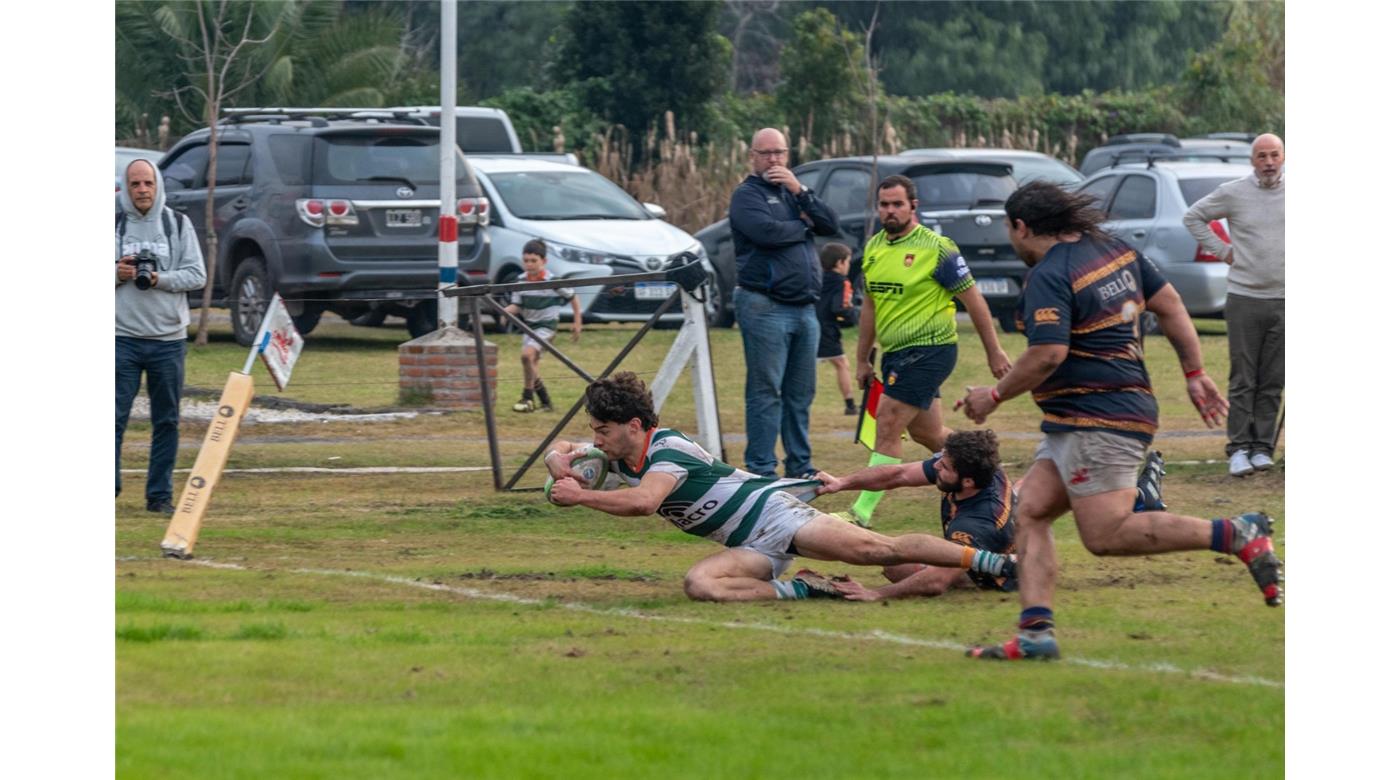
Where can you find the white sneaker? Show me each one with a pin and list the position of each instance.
(1239, 464)
(1261, 461)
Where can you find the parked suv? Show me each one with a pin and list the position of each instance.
(336, 213)
(1137, 147)
(963, 199)
(1026, 166)
(1145, 203)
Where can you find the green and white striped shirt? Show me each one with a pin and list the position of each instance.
(711, 498)
(542, 307)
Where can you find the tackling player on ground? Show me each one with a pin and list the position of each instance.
(760, 524)
(1080, 308)
(978, 509)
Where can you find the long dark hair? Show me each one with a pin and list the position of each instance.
(1048, 210)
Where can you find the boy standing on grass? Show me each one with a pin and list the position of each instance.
(540, 310)
(834, 311)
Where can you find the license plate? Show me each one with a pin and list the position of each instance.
(653, 291)
(403, 218)
(994, 286)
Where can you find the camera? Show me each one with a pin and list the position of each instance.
(145, 268)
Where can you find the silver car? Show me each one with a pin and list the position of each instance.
(1145, 203)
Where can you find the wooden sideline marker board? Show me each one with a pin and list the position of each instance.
(184, 526)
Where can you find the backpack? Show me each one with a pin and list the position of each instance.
(166, 217)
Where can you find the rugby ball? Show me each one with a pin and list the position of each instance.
(593, 465)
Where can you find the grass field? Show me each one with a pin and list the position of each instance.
(413, 625)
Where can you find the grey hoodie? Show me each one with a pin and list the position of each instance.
(162, 312)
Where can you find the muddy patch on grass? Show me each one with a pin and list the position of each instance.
(596, 574)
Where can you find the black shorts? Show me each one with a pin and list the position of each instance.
(914, 375)
(829, 345)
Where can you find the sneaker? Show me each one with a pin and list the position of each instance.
(851, 517)
(162, 506)
(1150, 483)
(808, 474)
(1253, 545)
(1239, 464)
(523, 405)
(1261, 461)
(851, 410)
(1021, 648)
(818, 587)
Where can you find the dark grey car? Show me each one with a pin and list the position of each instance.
(336, 215)
(962, 199)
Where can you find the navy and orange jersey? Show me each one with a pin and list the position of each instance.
(1089, 295)
(985, 520)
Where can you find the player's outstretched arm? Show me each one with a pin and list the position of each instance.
(644, 499)
(929, 581)
(1034, 365)
(875, 478)
(1176, 325)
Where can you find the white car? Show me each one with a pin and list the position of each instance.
(591, 228)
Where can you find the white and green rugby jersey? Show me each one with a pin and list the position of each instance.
(711, 498)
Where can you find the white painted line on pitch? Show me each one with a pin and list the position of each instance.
(877, 635)
(345, 470)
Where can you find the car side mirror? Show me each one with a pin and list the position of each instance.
(655, 210)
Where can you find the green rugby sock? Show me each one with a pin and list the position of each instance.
(864, 506)
(793, 589)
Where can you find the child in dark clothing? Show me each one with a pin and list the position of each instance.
(834, 310)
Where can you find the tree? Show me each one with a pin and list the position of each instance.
(633, 62)
(824, 79)
(1238, 83)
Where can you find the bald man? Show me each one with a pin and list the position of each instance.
(1254, 302)
(773, 218)
(153, 316)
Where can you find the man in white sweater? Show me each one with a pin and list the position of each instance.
(1254, 304)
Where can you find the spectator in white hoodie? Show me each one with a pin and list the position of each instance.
(153, 315)
(1254, 300)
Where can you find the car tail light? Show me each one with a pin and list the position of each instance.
(311, 211)
(473, 211)
(316, 212)
(1204, 255)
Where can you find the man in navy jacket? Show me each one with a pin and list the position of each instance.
(773, 218)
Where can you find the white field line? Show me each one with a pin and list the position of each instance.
(874, 635)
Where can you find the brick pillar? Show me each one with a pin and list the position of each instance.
(439, 369)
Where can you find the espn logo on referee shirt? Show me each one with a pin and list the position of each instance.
(885, 288)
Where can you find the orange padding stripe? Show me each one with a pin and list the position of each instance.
(967, 554)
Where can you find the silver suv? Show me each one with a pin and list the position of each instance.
(335, 212)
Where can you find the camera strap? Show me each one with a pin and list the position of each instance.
(166, 218)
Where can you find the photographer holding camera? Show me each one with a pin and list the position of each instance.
(158, 261)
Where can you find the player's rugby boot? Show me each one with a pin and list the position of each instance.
(818, 587)
(1150, 483)
(1042, 647)
(1252, 543)
(524, 405)
(852, 517)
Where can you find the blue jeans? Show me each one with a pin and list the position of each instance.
(164, 364)
(780, 350)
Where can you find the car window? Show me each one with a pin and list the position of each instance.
(291, 156)
(390, 159)
(962, 190)
(1053, 171)
(186, 169)
(231, 167)
(1101, 189)
(1136, 199)
(562, 195)
(809, 178)
(847, 191)
(1193, 190)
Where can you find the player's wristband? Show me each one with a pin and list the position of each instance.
(1192, 374)
(996, 397)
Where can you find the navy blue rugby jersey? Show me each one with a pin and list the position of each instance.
(1089, 295)
(985, 520)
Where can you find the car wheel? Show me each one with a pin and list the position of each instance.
(422, 319)
(722, 316)
(500, 324)
(309, 318)
(250, 292)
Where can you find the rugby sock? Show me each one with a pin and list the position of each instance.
(528, 394)
(795, 589)
(1222, 535)
(864, 506)
(1037, 619)
(544, 394)
(983, 561)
